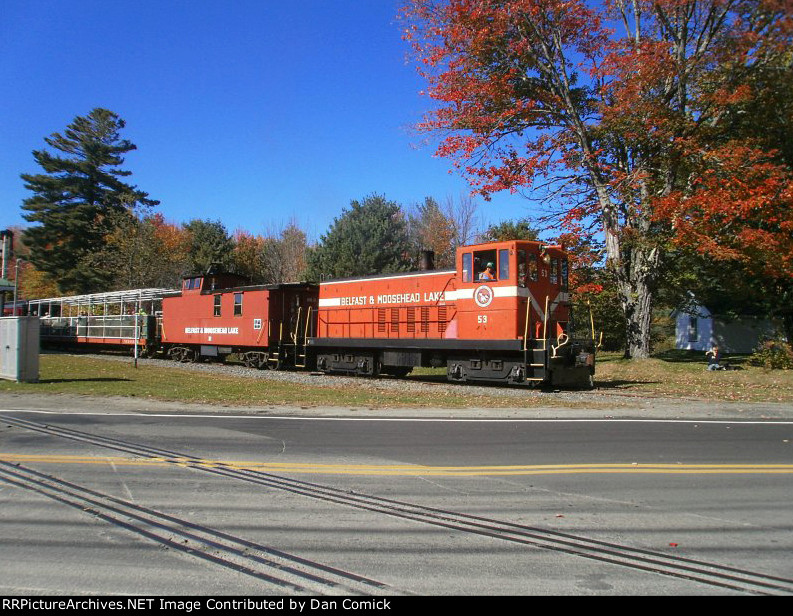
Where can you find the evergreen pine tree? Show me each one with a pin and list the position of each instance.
(210, 243)
(76, 200)
(369, 238)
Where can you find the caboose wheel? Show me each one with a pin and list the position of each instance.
(183, 354)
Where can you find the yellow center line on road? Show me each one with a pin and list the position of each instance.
(410, 470)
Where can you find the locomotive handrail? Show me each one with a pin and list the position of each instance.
(293, 335)
(443, 292)
(545, 326)
(308, 323)
(561, 344)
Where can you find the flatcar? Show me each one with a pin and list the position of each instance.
(501, 315)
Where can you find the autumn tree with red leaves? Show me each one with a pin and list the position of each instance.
(629, 118)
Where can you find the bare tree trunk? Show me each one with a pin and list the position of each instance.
(636, 297)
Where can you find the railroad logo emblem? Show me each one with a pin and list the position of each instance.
(483, 296)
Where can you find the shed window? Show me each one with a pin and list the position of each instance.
(693, 329)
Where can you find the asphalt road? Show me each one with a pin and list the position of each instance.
(128, 498)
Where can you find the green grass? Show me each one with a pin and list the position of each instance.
(683, 374)
(73, 374)
(674, 375)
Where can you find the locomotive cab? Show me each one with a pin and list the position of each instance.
(523, 296)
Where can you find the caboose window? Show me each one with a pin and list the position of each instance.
(237, 304)
(217, 305)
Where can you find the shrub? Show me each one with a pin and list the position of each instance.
(774, 355)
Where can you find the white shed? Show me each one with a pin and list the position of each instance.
(697, 329)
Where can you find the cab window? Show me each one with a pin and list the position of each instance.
(532, 263)
(503, 264)
(481, 260)
(565, 274)
(467, 263)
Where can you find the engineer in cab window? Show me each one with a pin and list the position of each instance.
(488, 274)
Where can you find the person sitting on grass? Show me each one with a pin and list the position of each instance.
(714, 358)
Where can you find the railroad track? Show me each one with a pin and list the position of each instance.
(649, 561)
(288, 573)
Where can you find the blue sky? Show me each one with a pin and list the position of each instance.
(251, 112)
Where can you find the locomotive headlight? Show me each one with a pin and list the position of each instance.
(546, 258)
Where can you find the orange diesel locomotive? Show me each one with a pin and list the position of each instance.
(502, 315)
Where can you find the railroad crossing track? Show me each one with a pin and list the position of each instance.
(708, 573)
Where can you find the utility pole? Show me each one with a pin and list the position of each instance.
(16, 282)
(7, 240)
(7, 237)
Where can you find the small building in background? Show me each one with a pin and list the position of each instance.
(698, 329)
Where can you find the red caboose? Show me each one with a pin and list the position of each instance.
(502, 315)
(213, 316)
